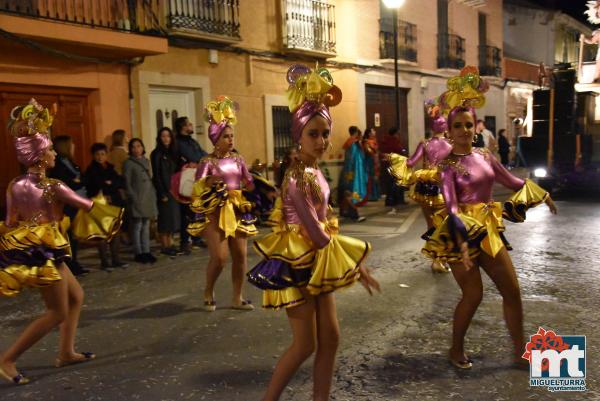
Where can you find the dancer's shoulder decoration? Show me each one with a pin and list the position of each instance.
(220, 113)
(30, 119)
(593, 11)
(465, 90)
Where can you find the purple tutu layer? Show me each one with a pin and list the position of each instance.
(33, 256)
(427, 188)
(275, 274)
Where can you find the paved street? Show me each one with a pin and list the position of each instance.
(154, 342)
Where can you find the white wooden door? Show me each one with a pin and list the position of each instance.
(166, 105)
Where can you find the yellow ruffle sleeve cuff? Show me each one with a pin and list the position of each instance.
(102, 222)
(530, 195)
(399, 169)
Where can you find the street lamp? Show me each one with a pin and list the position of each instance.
(394, 5)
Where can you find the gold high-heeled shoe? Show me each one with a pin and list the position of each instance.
(19, 379)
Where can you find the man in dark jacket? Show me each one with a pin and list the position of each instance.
(190, 151)
(101, 176)
(66, 170)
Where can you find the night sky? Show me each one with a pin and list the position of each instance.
(574, 8)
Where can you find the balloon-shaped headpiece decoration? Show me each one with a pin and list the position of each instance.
(438, 121)
(220, 113)
(464, 92)
(311, 93)
(593, 11)
(29, 125)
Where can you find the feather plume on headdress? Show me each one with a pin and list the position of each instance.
(593, 11)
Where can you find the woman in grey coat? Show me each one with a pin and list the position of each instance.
(141, 199)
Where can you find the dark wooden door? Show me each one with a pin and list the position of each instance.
(73, 118)
(380, 100)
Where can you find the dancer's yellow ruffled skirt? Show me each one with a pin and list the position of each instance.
(30, 253)
(290, 264)
(483, 223)
(229, 206)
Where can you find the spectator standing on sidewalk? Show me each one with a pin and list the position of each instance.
(164, 165)
(503, 147)
(489, 140)
(394, 193)
(118, 152)
(66, 170)
(101, 177)
(190, 151)
(353, 178)
(141, 199)
(371, 148)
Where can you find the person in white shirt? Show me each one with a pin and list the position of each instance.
(488, 138)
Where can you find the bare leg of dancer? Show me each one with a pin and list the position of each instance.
(239, 257)
(57, 309)
(68, 328)
(302, 320)
(502, 272)
(217, 249)
(472, 293)
(328, 336)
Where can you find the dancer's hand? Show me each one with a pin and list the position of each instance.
(551, 205)
(213, 180)
(466, 258)
(367, 280)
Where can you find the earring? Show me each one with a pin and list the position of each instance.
(299, 148)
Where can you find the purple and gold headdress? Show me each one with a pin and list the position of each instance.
(464, 92)
(311, 93)
(220, 113)
(29, 125)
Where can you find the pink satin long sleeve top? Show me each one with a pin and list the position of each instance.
(232, 170)
(432, 151)
(35, 199)
(469, 179)
(306, 203)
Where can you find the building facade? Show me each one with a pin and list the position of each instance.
(140, 64)
(245, 55)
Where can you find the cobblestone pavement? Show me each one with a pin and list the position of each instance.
(155, 343)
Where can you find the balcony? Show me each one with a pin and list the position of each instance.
(451, 51)
(490, 61)
(308, 27)
(212, 20)
(407, 40)
(119, 28)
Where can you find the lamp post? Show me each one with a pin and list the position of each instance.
(394, 5)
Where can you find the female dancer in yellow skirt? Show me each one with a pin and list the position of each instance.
(471, 236)
(33, 241)
(305, 259)
(223, 214)
(424, 182)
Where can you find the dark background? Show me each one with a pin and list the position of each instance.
(575, 8)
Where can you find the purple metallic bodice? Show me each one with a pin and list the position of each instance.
(232, 170)
(33, 198)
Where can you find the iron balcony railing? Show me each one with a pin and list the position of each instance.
(216, 17)
(451, 51)
(407, 40)
(309, 25)
(490, 61)
(126, 15)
